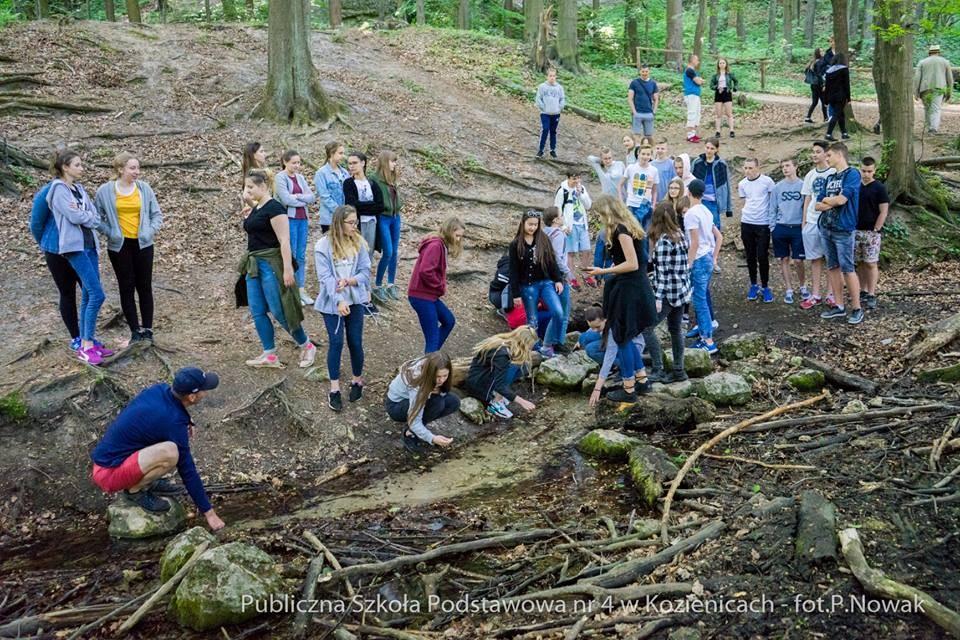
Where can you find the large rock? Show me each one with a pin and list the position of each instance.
(725, 389)
(224, 587)
(650, 467)
(130, 521)
(807, 380)
(854, 406)
(474, 410)
(676, 389)
(696, 362)
(179, 550)
(742, 346)
(816, 529)
(566, 372)
(751, 371)
(655, 411)
(607, 445)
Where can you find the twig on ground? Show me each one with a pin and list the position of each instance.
(767, 465)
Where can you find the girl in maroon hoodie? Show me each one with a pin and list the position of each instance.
(428, 283)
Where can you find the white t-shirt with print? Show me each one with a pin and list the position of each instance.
(641, 181)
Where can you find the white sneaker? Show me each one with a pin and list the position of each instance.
(499, 410)
(307, 355)
(266, 360)
(305, 297)
(715, 324)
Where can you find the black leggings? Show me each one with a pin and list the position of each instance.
(66, 280)
(134, 269)
(756, 244)
(437, 407)
(839, 117)
(816, 95)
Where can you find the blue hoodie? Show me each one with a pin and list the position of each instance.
(43, 228)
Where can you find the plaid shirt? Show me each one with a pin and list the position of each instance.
(671, 276)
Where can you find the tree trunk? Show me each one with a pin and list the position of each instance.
(741, 25)
(567, 45)
(43, 9)
(841, 39)
(251, 9)
(335, 9)
(892, 63)
(382, 10)
(853, 20)
(463, 14)
(207, 14)
(867, 21)
(162, 8)
(133, 11)
(596, 6)
(809, 22)
(229, 10)
(630, 39)
(421, 13)
(507, 10)
(701, 26)
(110, 10)
(293, 93)
(772, 22)
(674, 34)
(714, 20)
(531, 21)
(788, 7)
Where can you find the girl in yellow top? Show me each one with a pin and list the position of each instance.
(130, 217)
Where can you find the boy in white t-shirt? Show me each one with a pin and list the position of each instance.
(573, 201)
(705, 241)
(814, 184)
(642, 182)
(755, 190)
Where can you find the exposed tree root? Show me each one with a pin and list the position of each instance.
(487, 201)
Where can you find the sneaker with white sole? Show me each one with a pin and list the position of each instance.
(788, 297)
(835, 312)
(307, 355)
(305, 297)
(266, 360)
(805, 293)
(90, 356)
(498, 410)
(855, 317)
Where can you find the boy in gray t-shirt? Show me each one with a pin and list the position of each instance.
(786, 223)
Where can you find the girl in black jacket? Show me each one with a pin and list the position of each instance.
(813, 76)
(534, 273)
(497, 361)
(365, 196)
(836, 92)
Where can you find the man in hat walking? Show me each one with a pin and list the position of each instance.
(933, 83)
(149, 439)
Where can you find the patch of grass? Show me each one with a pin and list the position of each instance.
(23, 176)
(411, 86)
(13, 407)
(434, 160)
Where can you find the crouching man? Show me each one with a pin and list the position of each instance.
(149, 439)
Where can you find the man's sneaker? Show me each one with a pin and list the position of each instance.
(834, 312)
(863, 295)
(266, 360)
(562, 350)
(677, 375)
(829, 138)
(733, 135)
(147, 501)
(335, 401)
(694, 331)
(831, 301)
(307, 355)
(90, 356)
(147, 334)
(754, 292)
(808, 120)
(788, 297)
(856, 316)
(767, 294)
(75, 344)
(539, 154)
(657, 375)
(356, 391)
(590, 281)
(710, 348)
(810, 302)
(135, 336)
(622, 395)
(871, 301)
(553, 154)
(804, 293)
(575, 284)
(305, 297)
(163, 487)
(102, 349)
(499, 410)
(845, 136)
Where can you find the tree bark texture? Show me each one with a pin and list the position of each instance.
(250, 8)
(788, 7)
(853, 19)
(229, 10)
(714, 22)
(867, 22)
(508, 8)
(293, 92)
(772, 23)
(421, 13)
(463, 14)
(133, 11)
(567, 45)
(630, 39)
(531, 20)
(841, 39)
(809, 22)
(43, 9)
(335, 9)
(741, 24)
(674, 33)
(110, 10)
(701, 27)
(206, 10)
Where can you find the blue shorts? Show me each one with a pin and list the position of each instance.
(838, 247)
(578, 239)
(788, 241)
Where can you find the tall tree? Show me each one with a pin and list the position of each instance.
(508, 9)
(853, 19)
(293, 93)
(43, 9)
(229, 10)
(133, 11)
(788, 9)
(771, 22)
(250, 8)
(701, 27)
(714, 20)
(531, 20)
(630, 39)
(568, 53)
(808, 23)
(110, 10)
(335, 10)
(867, 21)
(421, 13)
(463, 14)
(674, 34)
(841, 40)
(207, 13)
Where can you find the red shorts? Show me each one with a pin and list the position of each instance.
(113, 479)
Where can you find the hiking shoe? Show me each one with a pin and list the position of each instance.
(147, 334)
(767, 294)
(266, 360)
(590, 281)
(788, 297)
(499, 410)
(808, 120)
(677, 375)
(804, 293)
(553, 154)
(733, 135)
(136, 336)
(356, 391)
(335, 401)
(547, 352)
(575, 284)
(622, 395)
(855, 317)
(539, 154)
(754, 292)
(90, 356)
(102, 349)
(871, 301)
(305, 297)
(657, 375)
(75, 344)
(147, 501)
(163, 487)
(845, 136)
(643, 388)
(835, 312)
(393, 292)
(307, 355)
(810, 302)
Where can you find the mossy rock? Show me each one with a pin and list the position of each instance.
(854, 406)
(607, 444)
(676, 389)
(474, 410)
(944, 374)
(573, 339)
(566, 372)
(317, 374)
(724, 389)
(816, 540)
(807, 380)
(743, 346)
(750, 370)
(655, 412)
(650, 467)
(696, 362)
(224, 586)
(132, 522)
(179, 550)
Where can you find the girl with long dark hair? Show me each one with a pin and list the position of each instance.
(534, 274)
(419, 395)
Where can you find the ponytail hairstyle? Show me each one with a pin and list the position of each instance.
(287, 156)
(61, 158)
(383, 166)
(542, 249)
(664, 222)
(519, 344)
(120, 161)
(257, 177)
(344, 245)
(448, 232)
(331, 148)
(249, 162)
(426, 378)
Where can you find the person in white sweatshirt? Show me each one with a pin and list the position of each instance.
(608, 170)
(573, 201)
(550, 100)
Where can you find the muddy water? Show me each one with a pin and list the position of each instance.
(483, 467)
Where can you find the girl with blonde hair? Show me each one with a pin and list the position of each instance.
(497, 362)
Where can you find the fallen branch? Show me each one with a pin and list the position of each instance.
(939, 162)
(32, 353)
(953, 497)
(302, 618)
(766, 465)
(164, 589)
(850, 417)
(502, 176)
(842, 378)
(341, 470)
(939, 444)
(25, 101)
(933, 337)
(227, 153)
(332, 559)
(600, 593)
(29, 625)
(875, 582)
(276, 385)
(108, 135)
(165, 163)
(688, 464)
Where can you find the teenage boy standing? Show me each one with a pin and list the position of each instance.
(642, 184)
(573, 201)
(691, 97)
(644, 99)
(755, 190)
(664, 166)
(814, 185)
(871, 214)
(786, 224)
(550, 101)
(704, 240)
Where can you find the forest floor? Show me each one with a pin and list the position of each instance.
(180, 97)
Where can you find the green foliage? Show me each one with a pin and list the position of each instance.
(433, 159)
(13, 406)
(23, 176)
(8, 13)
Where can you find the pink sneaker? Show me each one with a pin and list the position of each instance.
(90, 356)
(810, 302)
(831, 302)
(102, 350)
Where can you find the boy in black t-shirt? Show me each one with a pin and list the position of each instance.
(872, 213)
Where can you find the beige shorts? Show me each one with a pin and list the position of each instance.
(693, 110)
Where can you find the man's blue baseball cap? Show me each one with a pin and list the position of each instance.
(191, 380)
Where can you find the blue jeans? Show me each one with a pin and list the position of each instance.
(595, 351)
(86, 264)
(263, 295)
(712, 206)
(643, 214)
(548, 124)
(336, 326)
(601, 257)
(542, 290)
(700, 276)
(299, 229)
(389, 229)
(436, 322)
(643, 123)
(838, 247)
(557, 331)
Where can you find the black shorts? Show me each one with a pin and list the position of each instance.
(724, 96)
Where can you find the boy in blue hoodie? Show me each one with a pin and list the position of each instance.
(550, 100)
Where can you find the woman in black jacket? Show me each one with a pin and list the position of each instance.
(836, 92)
(497, 362)
(535, 274)
(365, 196)
(813, 76)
